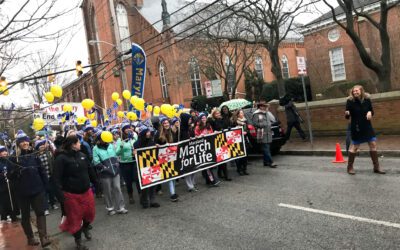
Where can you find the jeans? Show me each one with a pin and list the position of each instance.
(267, 154)
(171, 185)
(190, 181)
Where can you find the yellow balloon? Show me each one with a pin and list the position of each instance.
(38, 124)
(133, 99)
(4, 90)
(106, 136)
(126, 94)
(56, 90)
(67, 108)
(49, 97)
(156, 111)
(149, 108)
(87, 104)
(165, 108)
(120, 114)
(131, 116)
(93, 123)
(139, 104)
(81, 120)
(114, 96)
(119, 102)
(91, 116)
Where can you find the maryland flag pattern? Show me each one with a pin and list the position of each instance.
(169, 170)
(228, 148)
(149, 159)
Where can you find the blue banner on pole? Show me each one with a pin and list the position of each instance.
(138, 70)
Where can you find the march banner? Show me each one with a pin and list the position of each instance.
(138, 70)
(161, 164)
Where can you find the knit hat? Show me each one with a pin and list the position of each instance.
(97, 134)
(144, 129)
(2, 148)
(79, 134)
(163, 119)
(115, 131)
(39, 143)
(125, 126)
(21, 137)
(201, 115)
(88, 128)
(175, 119)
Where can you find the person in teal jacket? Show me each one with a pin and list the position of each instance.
(124, 149)
(106, 163)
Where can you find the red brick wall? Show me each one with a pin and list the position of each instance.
(327, 117)
(317, 46)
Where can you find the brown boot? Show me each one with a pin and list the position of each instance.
(350, 169)
(42, 229)
(375, 161)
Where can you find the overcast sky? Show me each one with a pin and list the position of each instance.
(76, 48)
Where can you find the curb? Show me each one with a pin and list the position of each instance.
(382, 153)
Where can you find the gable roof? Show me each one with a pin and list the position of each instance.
(338, 10)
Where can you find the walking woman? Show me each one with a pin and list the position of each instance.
(72, 176)
(238, 119)
(31, 180)
(146, 139)
(124, 149)
(106, 162)
(164, 136)
(204, 128)
(359, 110)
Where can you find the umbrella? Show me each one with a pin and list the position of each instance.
(236, 104)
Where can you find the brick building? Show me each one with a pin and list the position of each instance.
(332, 56)
(172, 74)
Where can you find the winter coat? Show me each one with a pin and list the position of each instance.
(361, 128)
(124, 149)
(292, 115)
(262, 122)
(72, 173)
(217, 124)
(205, 131)
(105, 160)
(29, 175)
(5, 167)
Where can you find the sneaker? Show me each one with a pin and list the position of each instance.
(155, 204)
(159, 192)
(54, 207)
(174, 197)
(122, 211)
(216, 184)
(46, 212)
(111, 213)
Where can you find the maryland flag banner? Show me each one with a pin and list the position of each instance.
(157, 165)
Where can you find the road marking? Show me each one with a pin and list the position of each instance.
(345, 216)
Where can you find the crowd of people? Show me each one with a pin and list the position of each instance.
(78, 165)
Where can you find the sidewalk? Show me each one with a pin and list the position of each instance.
(12, 237)
(388, 145)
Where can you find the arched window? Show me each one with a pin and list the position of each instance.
(194, 71)
(258, 66)
(285, 67)
(123, 27)
(163, 80)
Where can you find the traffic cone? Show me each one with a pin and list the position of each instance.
(339, 155)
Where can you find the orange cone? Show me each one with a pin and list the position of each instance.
(339, 155)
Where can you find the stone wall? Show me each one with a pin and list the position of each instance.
(327, 116)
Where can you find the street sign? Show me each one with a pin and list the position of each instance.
(301, 65)
(213, 88)
(49, 113)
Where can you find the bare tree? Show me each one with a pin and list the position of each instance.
(351, 12)
(25, 25)
(216, 55)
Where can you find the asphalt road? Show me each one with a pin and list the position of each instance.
(250, 211)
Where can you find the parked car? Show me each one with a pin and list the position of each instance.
(278, 134)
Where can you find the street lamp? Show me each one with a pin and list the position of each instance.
(93, 42)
